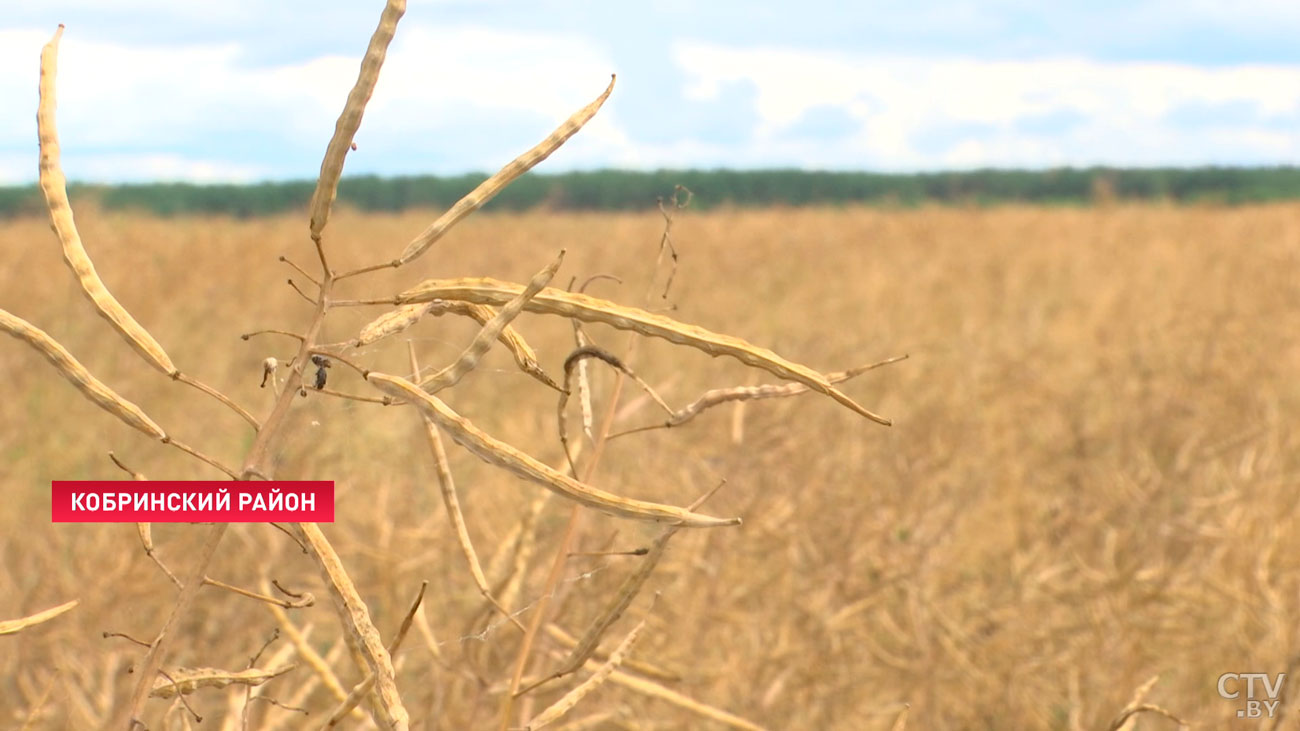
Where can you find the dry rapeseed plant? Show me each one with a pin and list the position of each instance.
(493, 305)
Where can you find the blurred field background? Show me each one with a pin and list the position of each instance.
(1092, 477)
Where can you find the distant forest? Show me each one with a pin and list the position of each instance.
(617, 190)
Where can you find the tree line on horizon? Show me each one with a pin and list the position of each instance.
(617, 190)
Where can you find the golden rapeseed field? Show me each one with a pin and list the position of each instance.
(1090, 483)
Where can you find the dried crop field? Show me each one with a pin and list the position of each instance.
(1091, 479)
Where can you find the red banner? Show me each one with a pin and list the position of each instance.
(182, 501)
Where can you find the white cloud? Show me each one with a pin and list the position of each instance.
(149, 167)
(935, 112)
(157, 105)
(145, 167)
(470, 96)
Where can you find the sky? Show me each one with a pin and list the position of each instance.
(245, 90)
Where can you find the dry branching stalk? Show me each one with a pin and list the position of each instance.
(566, 703)
(188, 680)
(76, 374)
(493, 185)
(492, 330)
(550, 301)
(152, 663)
(11, 626)
(566, 541)
(496, 452)
(474, 298)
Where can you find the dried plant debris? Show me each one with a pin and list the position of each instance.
(486, 291)
(188, 680)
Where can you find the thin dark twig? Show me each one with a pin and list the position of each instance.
(125, 636)
(275, 635)
(595, 278)
(134, 475)
(666, 241)
(286, 592)
(179, 695)
(289, 533)
(306, 601)
(285, 333)
(301, 271)
(274, 702)
(592, 351)
(300, 292)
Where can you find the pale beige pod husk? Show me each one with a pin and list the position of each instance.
(188, 680)
(78, 376)
(496, 452)
(551, 301)
(524, 355)
(55, 187)
(493, 185)
(11, 626)
(331, 167)
(391, 323)
(566, 703)
(492, 329)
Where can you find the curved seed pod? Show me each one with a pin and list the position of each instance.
(11, 626)
(551, 301)
(627, 591)
(349, 121)
(188, 680)
(765, 391)
(451, 375)
(391, 323)
(496, 452)
(524, 355)
(493, 185)
(573, 697)
(78, 376)
(54, 185)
